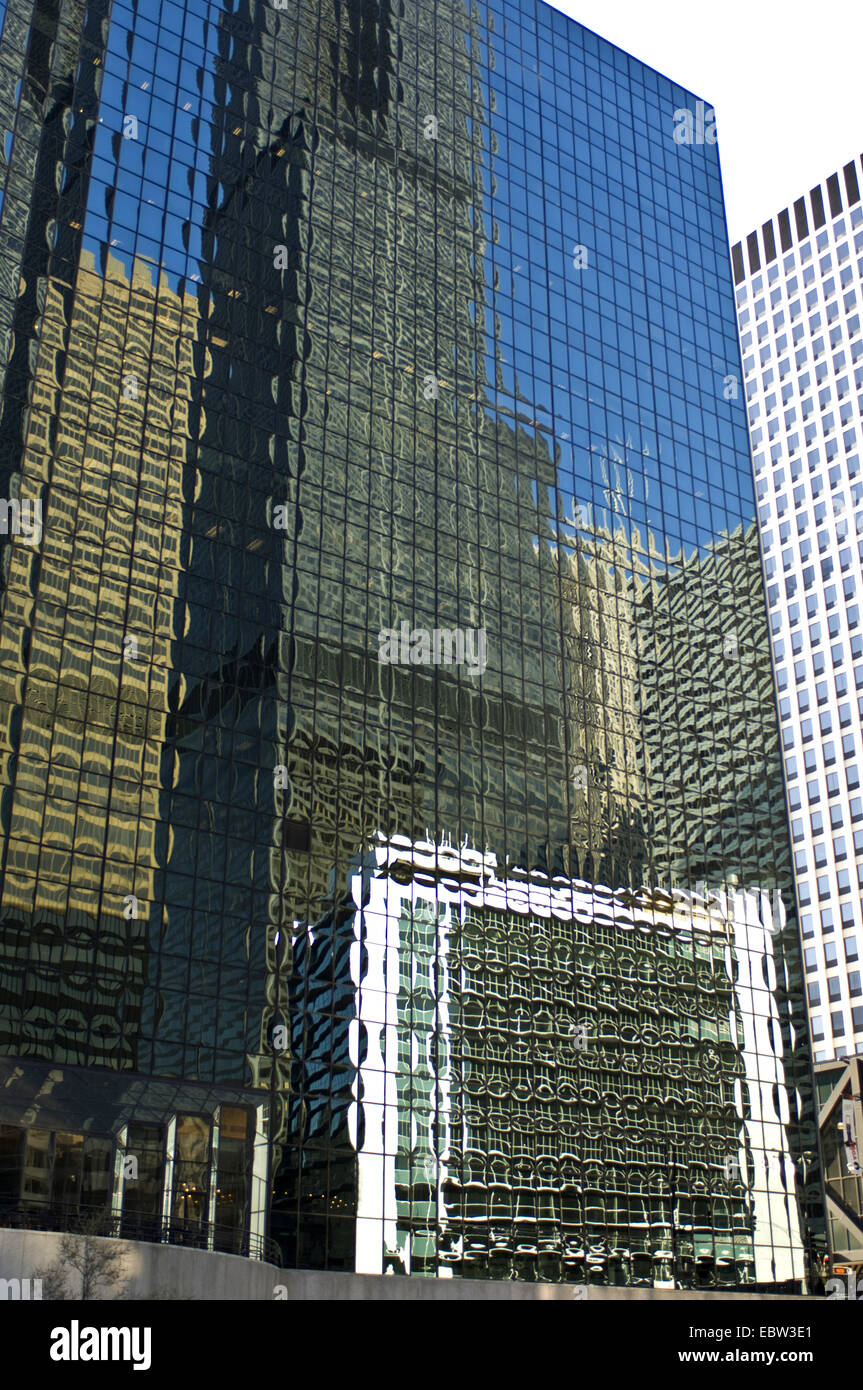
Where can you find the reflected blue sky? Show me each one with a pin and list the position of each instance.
(627, 377)
(630, 378)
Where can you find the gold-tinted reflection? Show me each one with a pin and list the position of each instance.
(87, 757)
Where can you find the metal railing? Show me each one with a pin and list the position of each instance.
(166, 1230)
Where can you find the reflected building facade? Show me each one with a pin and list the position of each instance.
(561, 1081)
(349, 317)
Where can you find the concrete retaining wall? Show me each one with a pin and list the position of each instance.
(150, 1271)
(170, 1272)
(303, 1284)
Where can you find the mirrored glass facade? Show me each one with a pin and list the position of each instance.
(372, 479)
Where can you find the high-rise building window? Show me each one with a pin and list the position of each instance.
(355, 675)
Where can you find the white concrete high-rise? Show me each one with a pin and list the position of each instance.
(799, 282)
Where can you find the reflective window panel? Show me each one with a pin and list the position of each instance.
(375, 504)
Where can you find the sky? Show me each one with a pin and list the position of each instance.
(784, 78)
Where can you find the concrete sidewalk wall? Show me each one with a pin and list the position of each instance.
(171, 1272)
(150, 1271)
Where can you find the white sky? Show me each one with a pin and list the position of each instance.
(784, 76)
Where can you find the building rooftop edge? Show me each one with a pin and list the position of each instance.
(796, 222)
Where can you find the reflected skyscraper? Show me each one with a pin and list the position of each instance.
(560, 1081)
(365, 330)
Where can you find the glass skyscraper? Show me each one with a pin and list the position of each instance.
(395, 872)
